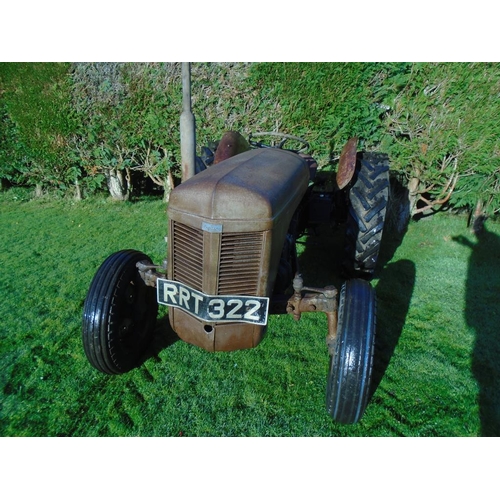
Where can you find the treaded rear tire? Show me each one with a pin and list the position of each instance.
(368, 198)
(119, 314)
(351, 364)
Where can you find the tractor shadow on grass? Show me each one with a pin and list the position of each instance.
(396, 281)
(482, 313)
(320, 265)
(394, 292)
(163, 337)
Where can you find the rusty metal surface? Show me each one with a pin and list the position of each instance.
(347, 162)
(149, 272)
(318, 300)
(231, 144)
(260, 185)
(215, 336)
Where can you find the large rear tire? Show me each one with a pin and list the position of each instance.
(119, 314)
(366, 217)
(349, 377)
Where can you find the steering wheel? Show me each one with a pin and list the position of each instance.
(284, 137)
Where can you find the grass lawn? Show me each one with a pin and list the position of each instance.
(436, 367)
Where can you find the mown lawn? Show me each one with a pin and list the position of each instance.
(436, 371)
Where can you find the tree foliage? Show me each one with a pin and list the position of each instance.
(13, 162)
(66, 126)
(126, 121)
(326, 102)
(443, 133)
(128, 116)
(37, 122)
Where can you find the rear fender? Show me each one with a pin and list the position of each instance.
(231, 144)
(347, 163)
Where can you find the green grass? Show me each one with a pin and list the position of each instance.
(436, 371)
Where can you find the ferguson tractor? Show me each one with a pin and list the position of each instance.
(232, 258)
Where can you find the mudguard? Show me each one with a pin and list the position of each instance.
(347, 163)
(231, 144)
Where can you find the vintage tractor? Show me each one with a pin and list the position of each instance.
(232, 259)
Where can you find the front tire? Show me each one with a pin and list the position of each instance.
(119, 314)
(366, 217)
(351, 361)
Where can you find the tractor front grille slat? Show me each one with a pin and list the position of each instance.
(188, 255)
(239, 267)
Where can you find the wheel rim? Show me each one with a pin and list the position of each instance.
(133, 310)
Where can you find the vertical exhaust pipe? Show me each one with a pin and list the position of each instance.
(187, 126)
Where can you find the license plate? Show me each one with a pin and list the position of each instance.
(213, 308)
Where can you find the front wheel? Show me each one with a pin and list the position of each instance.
(351, 361)
(119, 314)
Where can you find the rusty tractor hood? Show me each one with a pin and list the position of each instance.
(259, 185)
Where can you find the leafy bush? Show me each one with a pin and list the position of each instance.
(128, 115)
(36, 117)
(226, 97)
(12, 157)
(443, 133)
(126, 121)
(65, 126)
(325, 102)
(438, 122)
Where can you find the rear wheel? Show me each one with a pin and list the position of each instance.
(367, 210)
(351, 361)
(119, 314)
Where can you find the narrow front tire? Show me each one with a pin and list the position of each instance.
(351, 361)
(119, 314)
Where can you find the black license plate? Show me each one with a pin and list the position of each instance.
(213, 308)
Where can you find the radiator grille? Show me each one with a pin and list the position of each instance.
(239, 260)
(239, 267)
(188, 255)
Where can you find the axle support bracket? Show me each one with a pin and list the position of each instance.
(317, 299)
